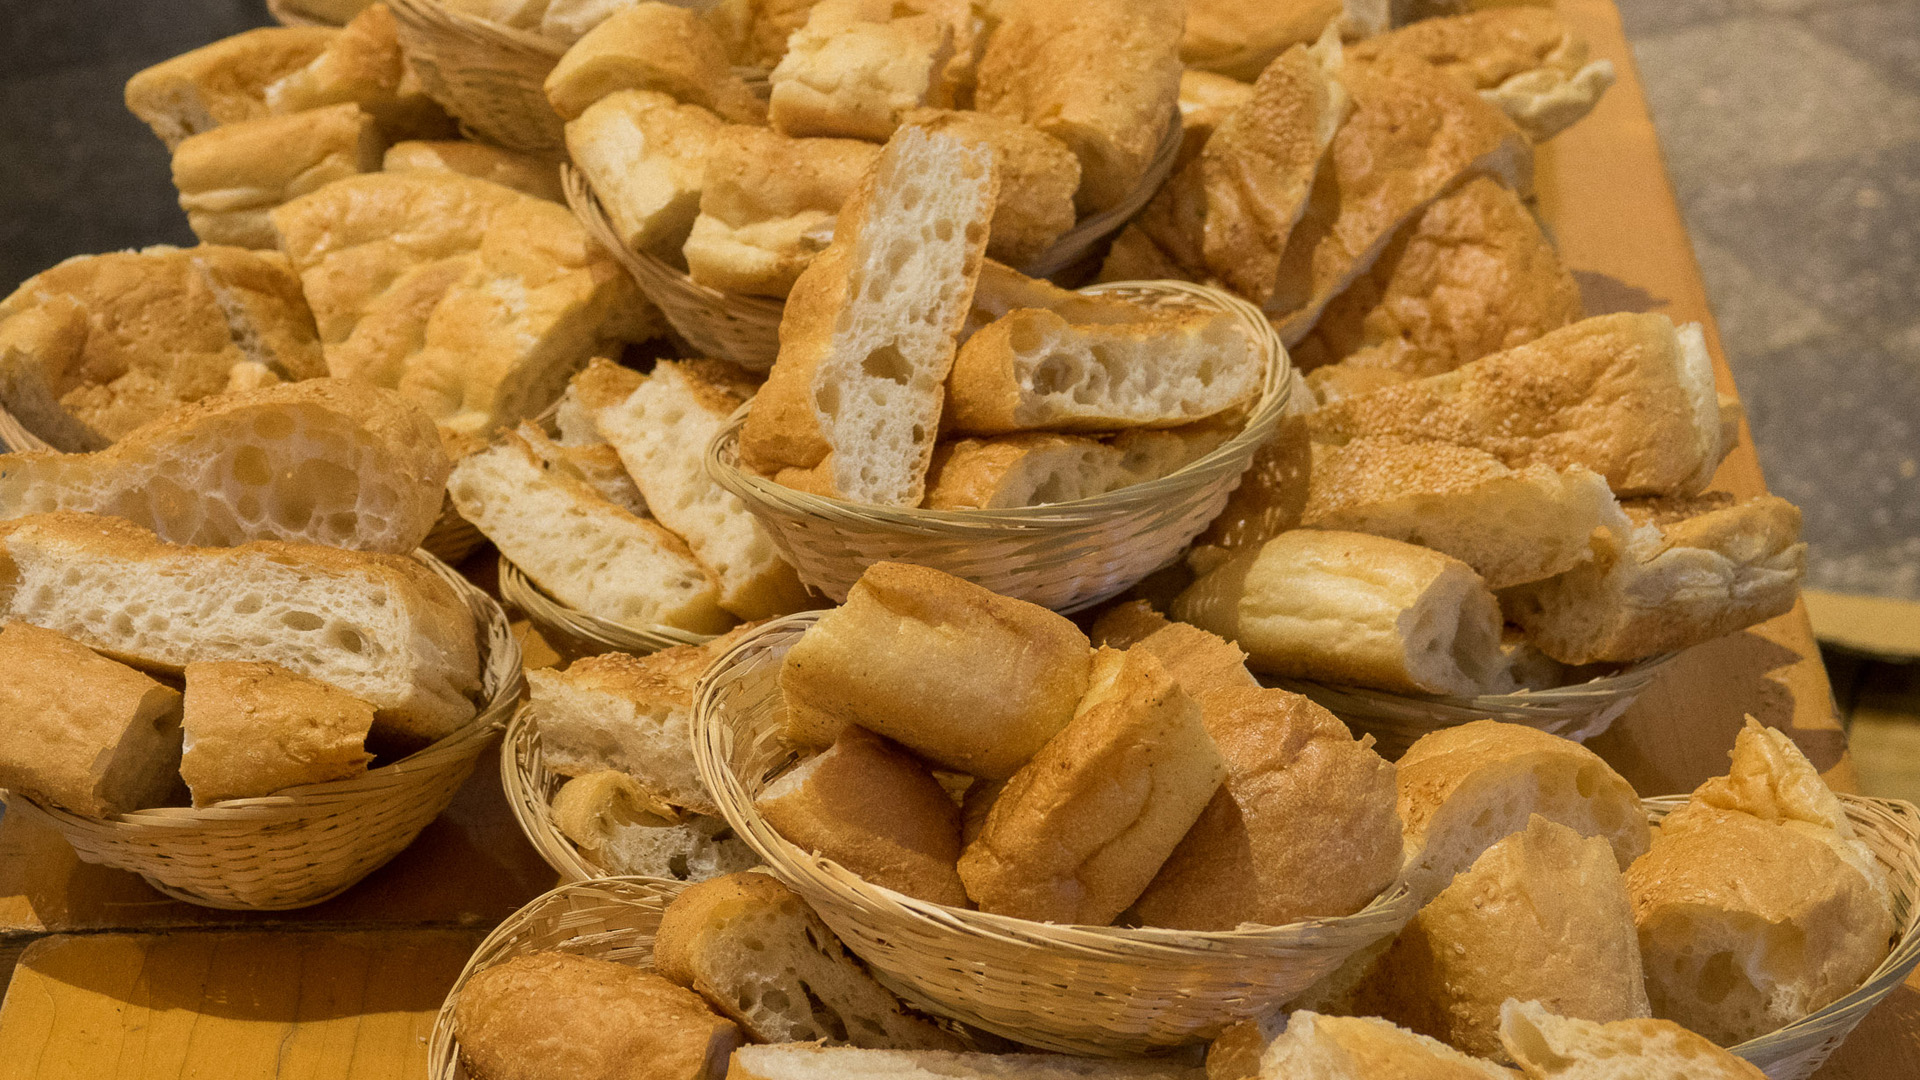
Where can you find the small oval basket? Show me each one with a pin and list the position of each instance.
(1100, 990)
(579, 633)
(1396, 721)
(530, 786)
(490, 77)
(306, 844)
(1064, 556)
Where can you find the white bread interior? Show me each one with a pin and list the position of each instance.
(621, 828)
(1547, 1046)
(645, 155)
(855, 68)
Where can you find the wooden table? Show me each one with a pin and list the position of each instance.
(114, 980)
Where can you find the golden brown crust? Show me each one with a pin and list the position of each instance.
(220, 83)
(228, 178)
(1038, 176)
(1240, 40)
(652, 46)
(1548, 1046)
(522, 172)
(363, 65)
(256, 728)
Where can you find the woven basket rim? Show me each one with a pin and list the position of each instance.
(531, 810)
(17, 438)
(433, 15)
(1599, 690)
(519, 589)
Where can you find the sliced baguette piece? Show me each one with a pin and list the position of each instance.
(220, 83)
(594, 387)
(383, 628)
(587, 552)
(597, 465)
(852, 406)
(1038, 468)
(623, 829)
(526, 173)
(1038, 176)
(645, 154)
(661, 432)
(322, 461)
(652, 46)
(758, 954)
(231, 177)
(254, 728)
(1316, 1047)
(1034, 370)
(1551, 1047)
(806, 1062)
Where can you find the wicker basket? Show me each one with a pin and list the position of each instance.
(1065, 556)
(1074, 244)
(582, 634)
(286, 16)
(488, 76)
(1396, 721)
(1891, 828)
(306, 844)
(1080, 989)
(530, 787)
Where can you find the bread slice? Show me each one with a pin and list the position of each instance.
(855, 67)
(524, 173)
(1038, 468)
(363, 65)
(84, 732)
(1316, 1047)
(1200, 662)
(254, 728)
(652, 46)
(661, 432)
(555, 1013)
(1347, 607)
(757, 953)
(383, 628)
(1688, 571)
(623, 829)
(800, 1062)
(220, 83)
(322, 461)
(1551, 1047)
(1629, 396)
(1003, 290)
(1038, 176)
(855, 395)
(587, 552)
(600, 384)
(1034, 370)
(596, 465)
(230, 177)
(1463, 789)
(645, 155)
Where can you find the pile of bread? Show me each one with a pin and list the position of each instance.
(224, 596)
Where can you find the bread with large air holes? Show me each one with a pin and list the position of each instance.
(624, 829)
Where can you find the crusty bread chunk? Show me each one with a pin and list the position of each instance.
(101, 344)
(1038, 176)
(854, 68)
(645, 155)
(970, 680)
(1629, 396)
(874, 809)
(1758, 902)
(652, 46)
(1550, 1047)
(322, 461)
(1003, 290)
(1039, 468)
(549, 1014)
(383, 628)
(1688, 571)
(661, 432)
(527, 173)
(363, 65)
(230, 177)
(1241, 40)
(1316, 1047)
(587, 552)
(1102, 76)
(1347, 607)
(1273, 491)
(803, 1062)
(1464, 789)
(1511, 525)
(624, 829)
(600, 384)
(756, 31)
(767, 207)
(1200, 662)
(853, 404)
(596, 465)
(757, 953)
(254, 728)
(1034, 370)
(220, 83)
(83, 732)
(1205, 100)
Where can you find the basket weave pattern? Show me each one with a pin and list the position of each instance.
(1080, 989)
(582, 634)
(530, 787)
(306, 844)
(488, 76)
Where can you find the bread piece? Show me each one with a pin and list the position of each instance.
(1688, 571)
(1082, 829)
(853, 403)
(228, 178)
(1346, 607)
(651, 46)
(645, 155)
(1040, 468)
(1038, 176)
(767, 207)
(1241, 40)
(1235, 1053)
(587, 552)
(1471, 275)
(567, 21)
(522, 172)
(1102, 76)
(597, 466)
(753, 949)
(661, 432)
(1522, 58)
(383, 628)
(550, 1014)
(756, 31)
(1629, 396)
(1303, 828)
(971, 681)
(624, 829)
(1463, 789)
(322, 461)
(1273, 491)
(1200, 662)
(1002, 291)
(1316, 1047)
(800, 1062)
(874, 809)
(101, 344)
(254, 728)
(1541, 915)
(1550, 1047)
(84, 732)
(854, 68)
(363, 65)
(1034, 370)
(1205, 100)
(598, 385)
(220, 83)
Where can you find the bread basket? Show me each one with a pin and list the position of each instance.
(578, 633)
(306, 844)
(1396, 721)
(1098, 990)
(746, 329)
(1064, 556)
(1891, 827)
(529, 786)
(488, 76)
